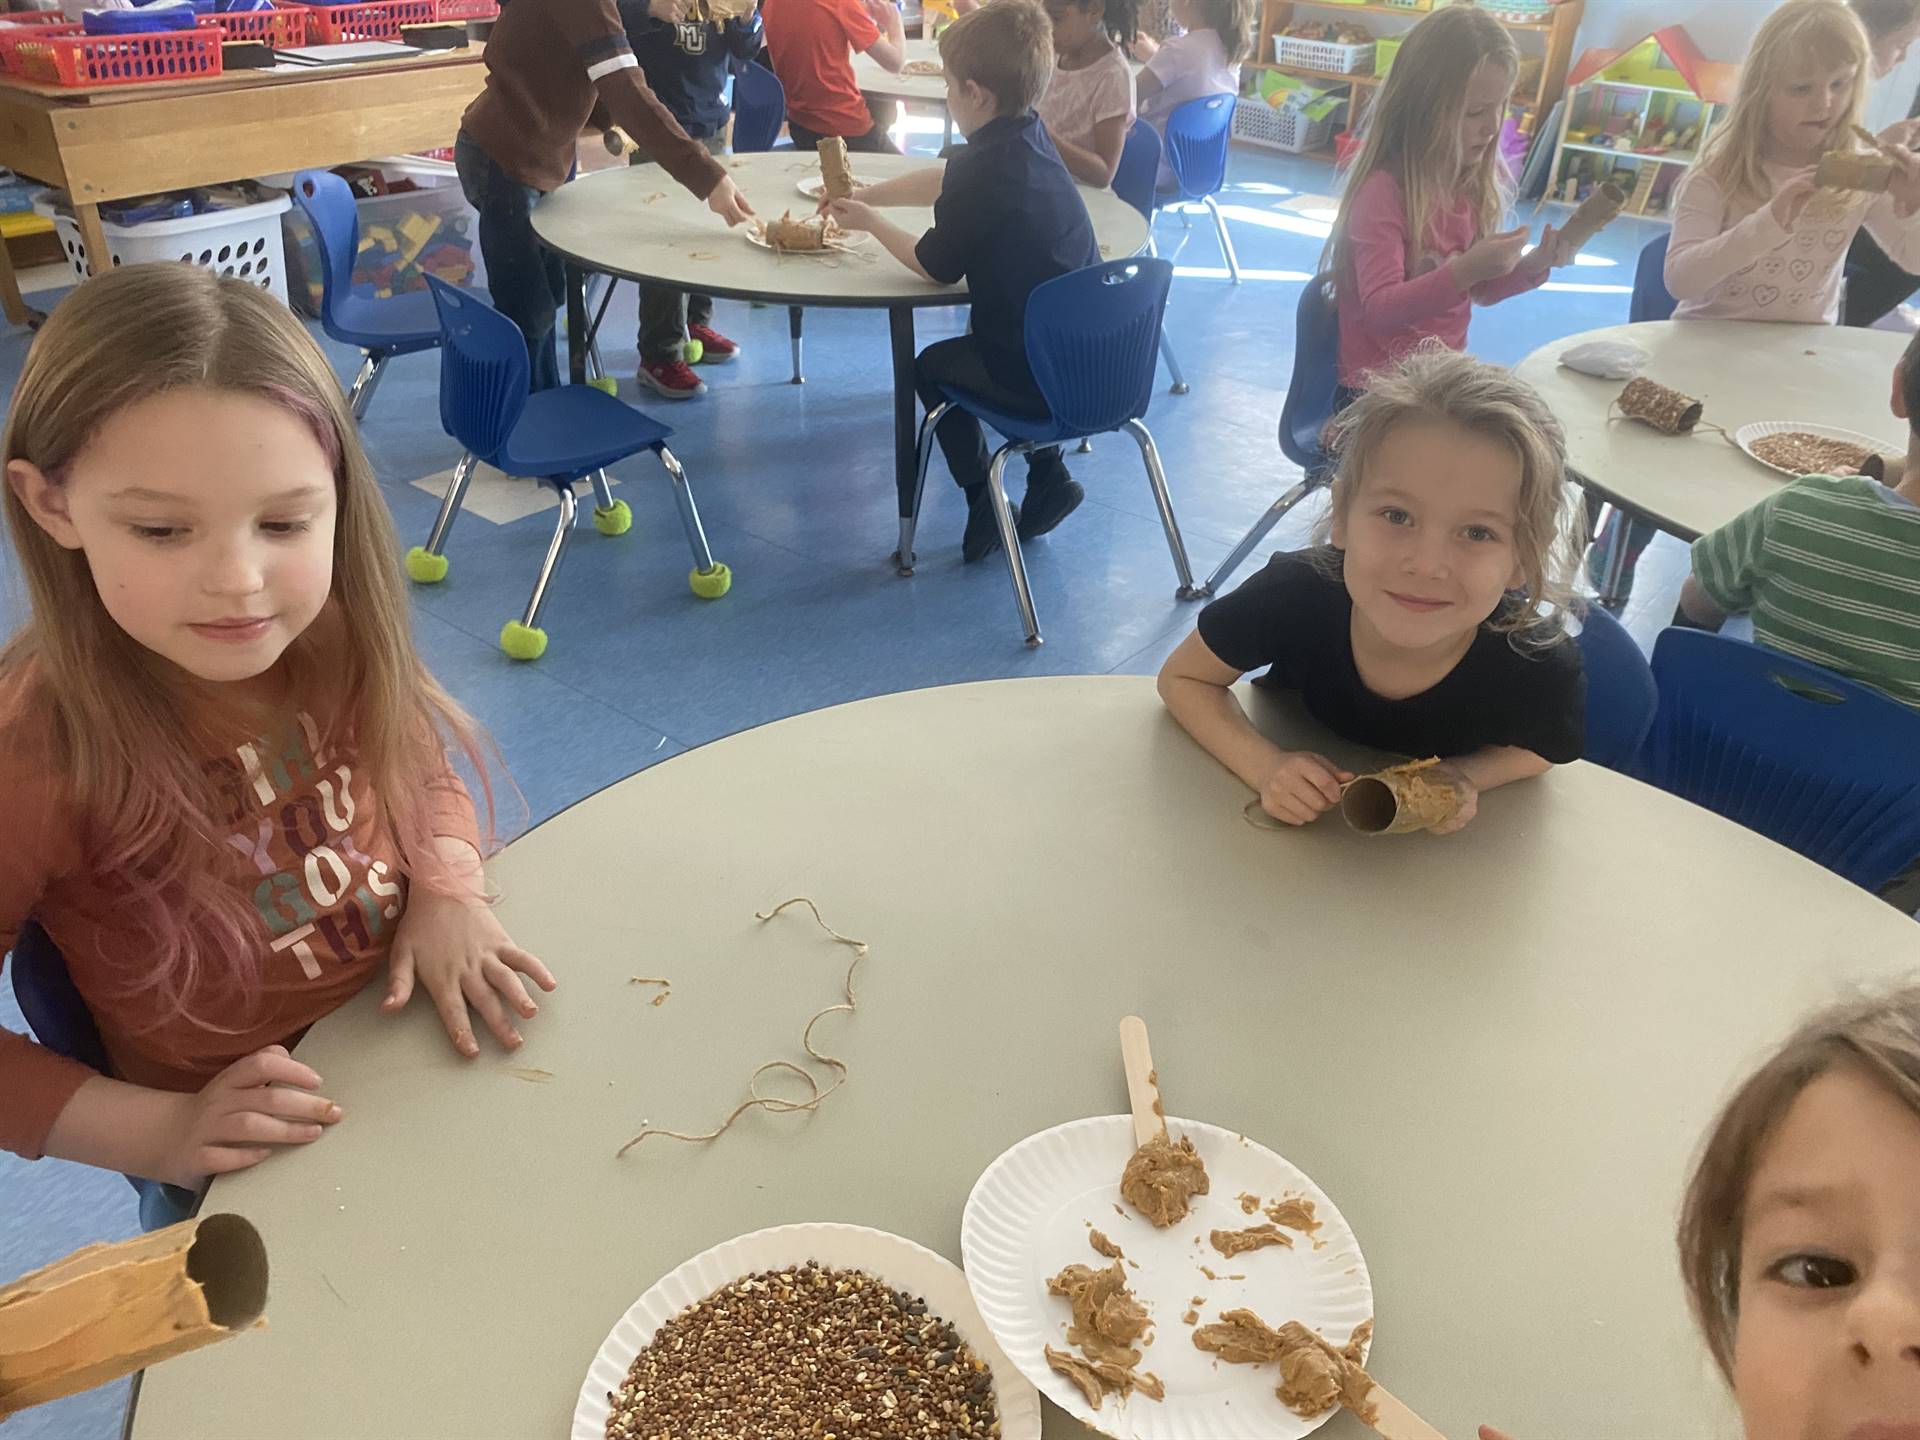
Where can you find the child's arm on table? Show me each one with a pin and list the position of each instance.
(1484, 769)
(1296, 786)
(452, 942)
(916, 187)
(903, 245)
(1705, 251)
(238, 1118)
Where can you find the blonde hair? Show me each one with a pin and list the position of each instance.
(127, 740)
(1232, 21)
(1413, 127)
(1800, 32)
(1006, 48)
(1880, 1038)
(1433, 382)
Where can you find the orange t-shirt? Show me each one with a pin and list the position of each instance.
(300, 841)
(812, 44)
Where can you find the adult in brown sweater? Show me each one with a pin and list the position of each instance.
(550, 65)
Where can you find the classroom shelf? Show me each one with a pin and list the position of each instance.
(1678, 157)
(1411, 14)
(1329, 75)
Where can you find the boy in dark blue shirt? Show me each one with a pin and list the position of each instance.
(686, 62)
(1006, 218)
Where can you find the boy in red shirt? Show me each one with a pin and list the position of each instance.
(812, 44)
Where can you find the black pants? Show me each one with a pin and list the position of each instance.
(1875, 284)
(665, 313)
(528, 282)
(875, 142)
(960, 363)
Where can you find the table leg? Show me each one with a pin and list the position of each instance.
(17, 309)
(900, 330)
(579, 340)
(99, 257)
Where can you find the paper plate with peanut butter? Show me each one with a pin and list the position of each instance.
(1195, 1287)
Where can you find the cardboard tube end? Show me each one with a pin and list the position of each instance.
(1369, 805)
(228, 1260)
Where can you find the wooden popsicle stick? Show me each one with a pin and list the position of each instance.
(1394, 1421)
(1143, 1090)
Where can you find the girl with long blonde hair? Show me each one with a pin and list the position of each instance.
(1800, 1228)
(230, 793)
(1754, 237)
(1417, 239)
(1430, 621)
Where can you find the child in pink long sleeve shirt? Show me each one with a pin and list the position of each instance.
(1414, 245)
(1753, 238)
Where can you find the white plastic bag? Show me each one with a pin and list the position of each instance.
(1606, 359)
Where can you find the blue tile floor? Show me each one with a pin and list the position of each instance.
(795, 485)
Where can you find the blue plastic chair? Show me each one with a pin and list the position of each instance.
(759, 110)
(1196, 146)
(1133, 182)
(556, 436)
(1303, 415)
(402, 325)
(59, 1018)
(1621, 695)
(1651, 300)
(1823, 765)
(1091, 337)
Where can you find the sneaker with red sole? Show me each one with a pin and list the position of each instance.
(715, 348)
(671, 378)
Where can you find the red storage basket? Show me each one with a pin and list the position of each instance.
(92, 62)
(372, 20)
(465, 9)
(30, 26)
(282, 29)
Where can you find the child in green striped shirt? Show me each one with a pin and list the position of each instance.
(1829, 565)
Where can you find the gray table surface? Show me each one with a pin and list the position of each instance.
(1743, 372)
(637, 223)
(1495, 1050)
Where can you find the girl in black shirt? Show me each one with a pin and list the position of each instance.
(1432, 623)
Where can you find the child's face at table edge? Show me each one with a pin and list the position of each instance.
(1828, 1341)
(207, 519)
(1428, 534)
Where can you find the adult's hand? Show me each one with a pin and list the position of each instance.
(728, 203)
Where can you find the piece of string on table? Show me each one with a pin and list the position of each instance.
(775, 1104)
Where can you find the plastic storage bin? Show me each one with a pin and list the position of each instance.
(243, 241)
(1323, 55)
(1383, 52)
(1280, 127)
(91, 62)
(284, 29)
(404, 237)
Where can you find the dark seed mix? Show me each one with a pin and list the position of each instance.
(805, 1354)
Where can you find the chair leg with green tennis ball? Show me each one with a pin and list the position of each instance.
(554, 437)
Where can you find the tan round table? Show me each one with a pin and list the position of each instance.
(1496, 1051)
(638, 224)
(875, 79)
(1745, 372)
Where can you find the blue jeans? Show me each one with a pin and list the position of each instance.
(528, 281)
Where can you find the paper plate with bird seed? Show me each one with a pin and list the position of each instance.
(885, 1339)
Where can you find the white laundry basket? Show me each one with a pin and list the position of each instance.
(243, 242)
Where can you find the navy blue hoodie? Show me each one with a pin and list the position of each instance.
(686, 65)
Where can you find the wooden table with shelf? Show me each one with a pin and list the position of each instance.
(121, 141)
(1557, 53)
